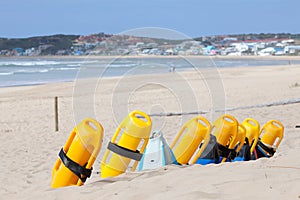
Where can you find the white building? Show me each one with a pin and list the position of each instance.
(267, 51)
(291, 49)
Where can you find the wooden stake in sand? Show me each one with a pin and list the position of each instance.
(56, 113)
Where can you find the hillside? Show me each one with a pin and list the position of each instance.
(54, 43)
(108, 44)
(256, 36)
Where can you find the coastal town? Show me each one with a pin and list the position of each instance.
(107, 45)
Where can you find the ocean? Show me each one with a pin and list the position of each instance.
(33, 71)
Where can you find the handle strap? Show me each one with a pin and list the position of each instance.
(270, 151)
(77, 169)
(135, 155)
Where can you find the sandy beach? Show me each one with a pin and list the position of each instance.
(29, 144)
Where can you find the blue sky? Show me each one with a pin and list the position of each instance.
(24, 18)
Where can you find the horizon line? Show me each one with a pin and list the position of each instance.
(74, 34)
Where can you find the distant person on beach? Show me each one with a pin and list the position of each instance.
(171, 68)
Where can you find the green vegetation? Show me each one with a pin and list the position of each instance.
(261, 36)
(57, 42)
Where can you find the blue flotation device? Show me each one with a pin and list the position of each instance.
(210, 154)
(215, 152)
(244, 154)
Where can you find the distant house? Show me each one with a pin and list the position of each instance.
(18, 51)
(30, 52)
(267, 51)
(209, 50)
(271, 51)
(61, 52)
(230, 39)
(152, 45)
(290, 41)
(169, 52)
(5, 52)
(90, 45)
(140, 44)
(291, 49)
(228, 50)
(78, 53)
(240, 47)
(279, 51)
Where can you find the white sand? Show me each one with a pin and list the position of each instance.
(29, 145)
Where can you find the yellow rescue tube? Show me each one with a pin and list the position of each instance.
(78, 154)
(252, 132)
(271, 134)
(240, 138)
(226, 131)
(134, 132)
(189, 138)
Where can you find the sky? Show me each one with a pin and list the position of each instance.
(26, 18)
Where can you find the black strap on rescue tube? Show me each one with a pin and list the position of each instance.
(77, 169)
(135, 155)
(269, 150)
(225, 152)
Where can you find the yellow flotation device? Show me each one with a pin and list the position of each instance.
(134, 129)
(77, 157)
(192, 134)
(240, 139)
(271, 134)
(226, 130)
(252, 132)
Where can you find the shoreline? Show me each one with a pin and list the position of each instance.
(184, 70)
(235, 62)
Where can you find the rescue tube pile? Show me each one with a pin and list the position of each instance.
(135, 146)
